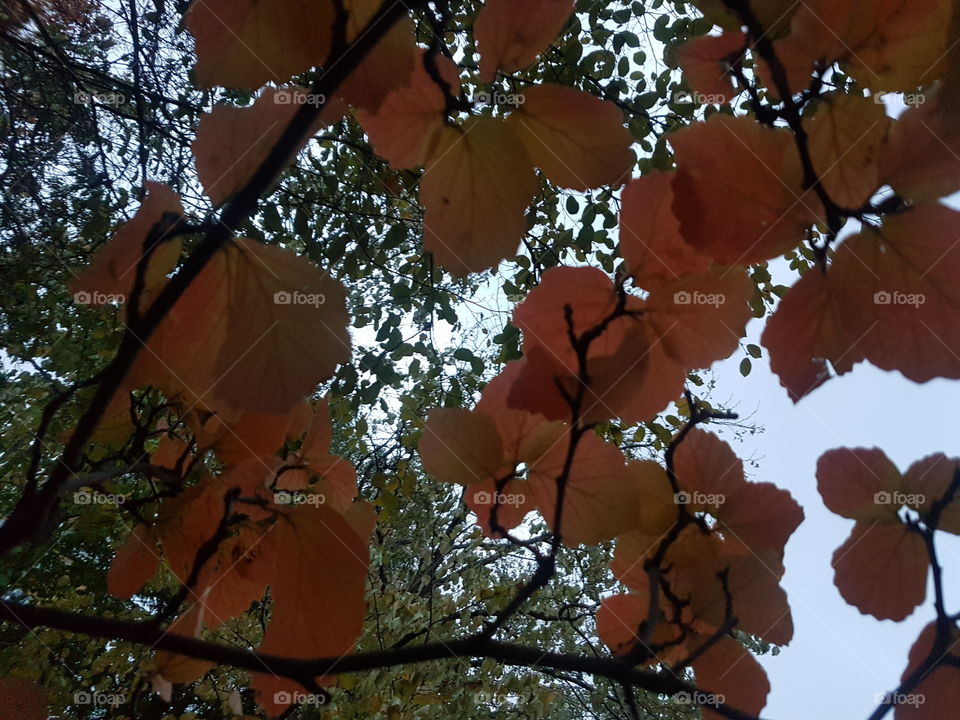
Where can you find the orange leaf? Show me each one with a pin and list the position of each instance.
(737, 192)
(805, 332)
(249, 436)
(576, 139)
(257, 330)
(650, 240)
(855, 482)
(136, 562)
(938, 693)
(705, 67)
(232, 142)
(460, 446)
(474, 192)
(113, 269)
(759, 515)
(618, 620)
(405, 128)
(22, 700)
(929, 480)
(727, 672)
(706, 465)
(511, 35)
(899, 294)
(246, 43)
(600, 496)
(882, 569)
(313, 553)
(845, 135)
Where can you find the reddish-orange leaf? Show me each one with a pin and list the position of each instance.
(737, 192)
(460, 446)
(707, 465)
(576, 139)
(928, 481)
(329, 567)
(729, 673)
(700, 318)
(246, 43)
(706, 68)
(387, 66)
(659, 382)
(257, 330)
(859, 483)
(657, 507)
(650, 240)
(511, 35)
(882, 569)
(806, 336)
(937, 696)
(921, 160)
(758, 515)
(523, 434)
(510, 502)
(619, 618)
(22, 700)
(136, 562)
(249, 436)
(232, 142)
(234, 578)
(405, 128)
(899, 295)
(845, 135)
(474, 191)
(111, 274)
(600, 495)
(632, 548)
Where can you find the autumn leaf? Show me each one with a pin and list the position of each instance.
(737, 192)
(233, 142)
(112, 272)
(705, 64)
(476, 187)
(706, 465)
(858, 483)
(511, 36)
(845, 135)
(928, 481)
(651, 243)
(406, 126)
(460, 446)
(135, 563)
(939, 687)
(882, 569)
(256, 331)
(576, 139)
(729, 671)
(22, 700)
(246, 44)
(329, 566)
